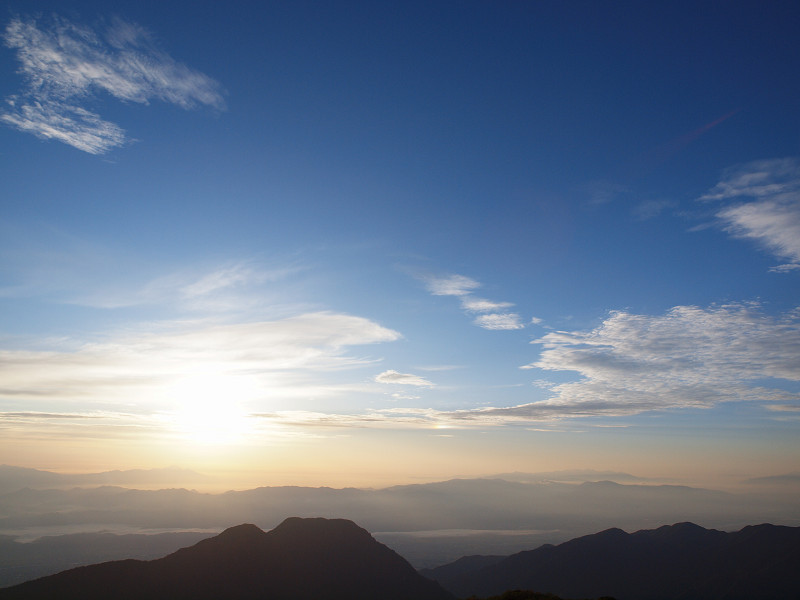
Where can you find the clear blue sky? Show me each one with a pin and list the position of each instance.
(398, 240)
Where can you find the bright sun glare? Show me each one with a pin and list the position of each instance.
(208, 408)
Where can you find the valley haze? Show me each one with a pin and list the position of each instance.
(49, 523)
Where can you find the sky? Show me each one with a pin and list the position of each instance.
(360, 243)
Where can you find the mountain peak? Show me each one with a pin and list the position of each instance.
(245, 531)
(317, 526)
(301, 559)
(244, 528)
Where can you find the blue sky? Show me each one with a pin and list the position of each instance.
(401, 240)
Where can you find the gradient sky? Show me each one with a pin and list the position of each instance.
(362, 243)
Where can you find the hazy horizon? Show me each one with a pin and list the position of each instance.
(123, 514)
(360, 244)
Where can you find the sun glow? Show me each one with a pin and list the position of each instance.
(210, 408)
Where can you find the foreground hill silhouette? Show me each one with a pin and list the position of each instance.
(320, 559)
(674, 562)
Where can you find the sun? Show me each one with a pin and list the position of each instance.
(210, 409)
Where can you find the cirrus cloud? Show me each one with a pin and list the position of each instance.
(451, 285)
(402, 378)
(278, 358)
(499, 321)
(772, 215)
(64, 63)
(688, 357)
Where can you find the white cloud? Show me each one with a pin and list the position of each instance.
(451, 285)
(461, 286)
(772, 216)
(399, 396)
(63, 63)
(473, 304)
(757, 179)
(689, 357)
(281, 358)
(402, 378)
(774, 223)
(66, 123)
(499, 321)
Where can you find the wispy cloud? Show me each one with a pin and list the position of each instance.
(402, 378)
(499, 321)
(43, 262)
(223, 287)
(784, 407)
(689, 357)
(462, 287)
(64, 63)
(473, 304)
(771, 216)
(451, 285)
(279, 358)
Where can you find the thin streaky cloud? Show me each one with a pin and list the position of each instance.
(65, 63)
(63, 122)
(763, 205)
(688, 357)
(402, 378)
(473, 304)
(451, 285)
(279, 358)
(773, 223)
(499, 321)
(757, 179)
(223, 278)
(784, 407)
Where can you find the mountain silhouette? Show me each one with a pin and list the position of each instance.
(675, 562)
(323, 559)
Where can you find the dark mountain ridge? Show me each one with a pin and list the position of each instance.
(674, 562)
(320, 559)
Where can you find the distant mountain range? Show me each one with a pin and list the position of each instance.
(571, 475)
(677, 562)
(429, 524)
(485, 504)
(15, 478)
(301, 559)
